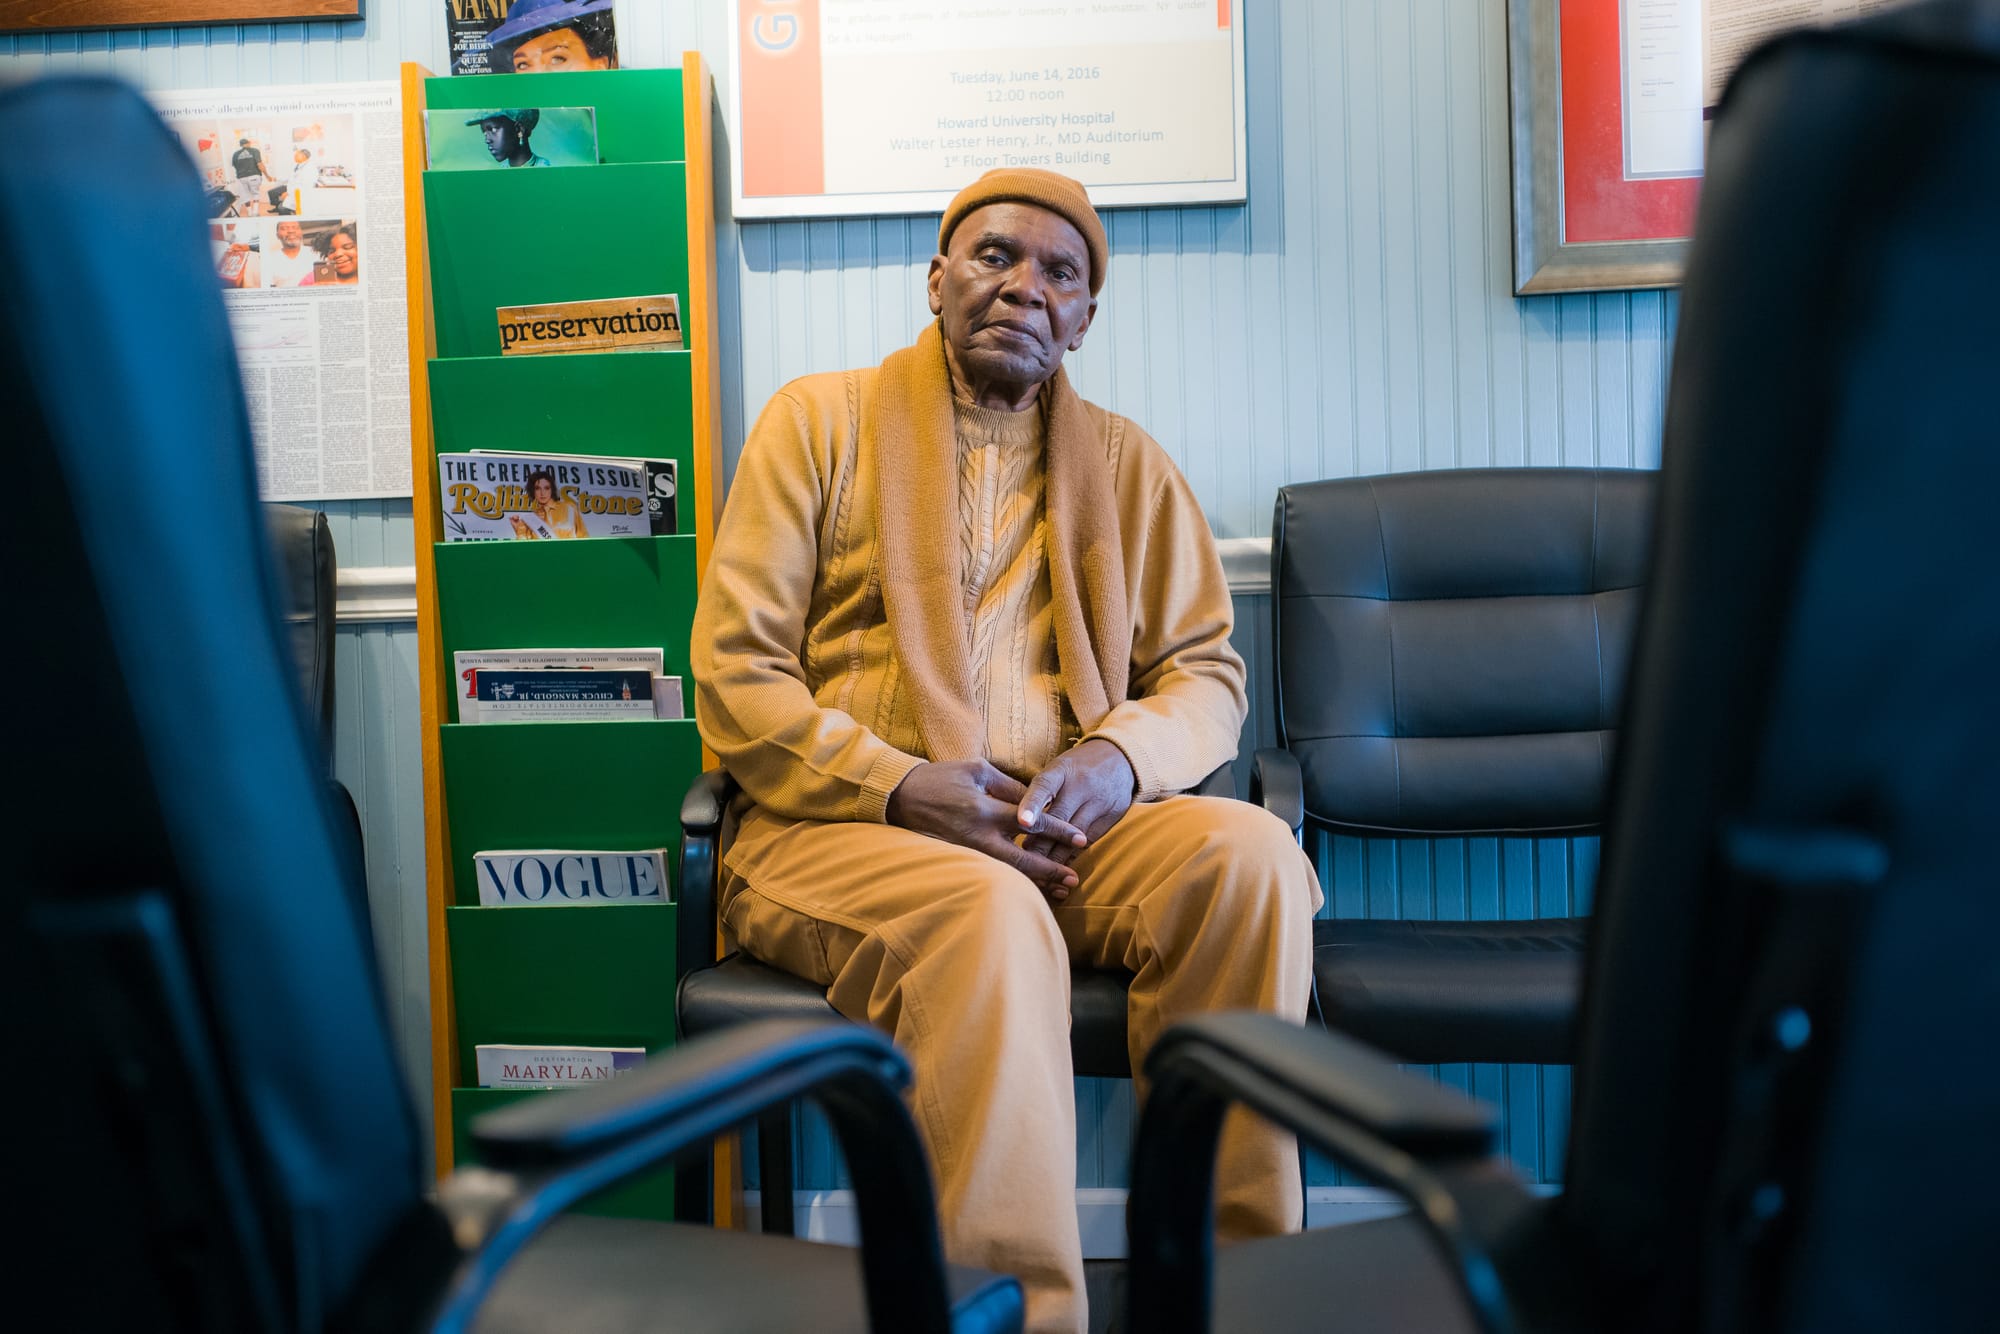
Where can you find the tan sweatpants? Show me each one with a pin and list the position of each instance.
(1208, 902)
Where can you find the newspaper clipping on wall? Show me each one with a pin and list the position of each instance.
(305, 201)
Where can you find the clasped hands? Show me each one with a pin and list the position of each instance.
(1069, 805)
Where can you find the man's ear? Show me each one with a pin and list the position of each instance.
(1084, 328)
(936, 284)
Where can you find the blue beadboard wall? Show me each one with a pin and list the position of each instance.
(1355, 318)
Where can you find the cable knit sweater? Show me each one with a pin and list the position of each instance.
(800, 687)
(1009, 613)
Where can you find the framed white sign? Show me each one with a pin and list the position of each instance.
(841, 108)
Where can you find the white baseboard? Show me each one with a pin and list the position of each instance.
(828, 1215)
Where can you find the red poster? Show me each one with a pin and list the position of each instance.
(1598, 202)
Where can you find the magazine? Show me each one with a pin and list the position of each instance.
(608, 324)
(539, 878)
(502, 138)
(467, 661)
(545, 497)
(662, 482)
(468, 24)
(667, 702)
(509, 1065)
(530, 36)
(562, 696)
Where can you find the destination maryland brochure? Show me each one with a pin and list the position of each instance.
(493, 497)
(508, 1065)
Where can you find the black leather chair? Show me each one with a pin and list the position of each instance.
(717, 993)
(216, 1137)
(307, 567)
(1449, 648)
(1783, 1119)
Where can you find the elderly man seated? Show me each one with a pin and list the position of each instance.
(963, 640)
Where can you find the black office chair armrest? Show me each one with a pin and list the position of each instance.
(1429, 1144)
(703, 811)
(707, 800)
(1334, 1077)
(1277, 785)
(1221, 782)
(545, 1154)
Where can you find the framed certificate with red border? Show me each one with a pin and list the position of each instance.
(1604, 193)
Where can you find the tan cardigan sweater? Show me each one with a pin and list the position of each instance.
(799, 685)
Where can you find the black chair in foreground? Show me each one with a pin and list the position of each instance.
(216, 1136)
(1449, 647)
(1782, 1123)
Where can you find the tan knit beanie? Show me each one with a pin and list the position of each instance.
(1031, 185)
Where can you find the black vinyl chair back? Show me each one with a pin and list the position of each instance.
(221, 1140)
(307, 567)
(1788, 1023)
(1450, 644)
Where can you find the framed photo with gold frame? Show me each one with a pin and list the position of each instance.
(32, 16)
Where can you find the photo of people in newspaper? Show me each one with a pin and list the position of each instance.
(304, 193)
(238, 250)
(338, 246)
(265, 176)
(252, 253)
(272, 166)
(290, 262)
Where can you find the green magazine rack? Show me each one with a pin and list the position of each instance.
(638, 223)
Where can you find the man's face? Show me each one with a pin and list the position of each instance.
(1013, 294)
(502, 137)
(561, 49)
(288, 236)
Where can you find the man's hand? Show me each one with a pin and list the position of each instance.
(1087, 787)
(973, 804)
(241, 251)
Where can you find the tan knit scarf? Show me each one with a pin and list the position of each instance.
(915, 448)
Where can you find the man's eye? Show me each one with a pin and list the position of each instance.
(1060, 274)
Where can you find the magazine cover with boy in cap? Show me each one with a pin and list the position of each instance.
(504, 138)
